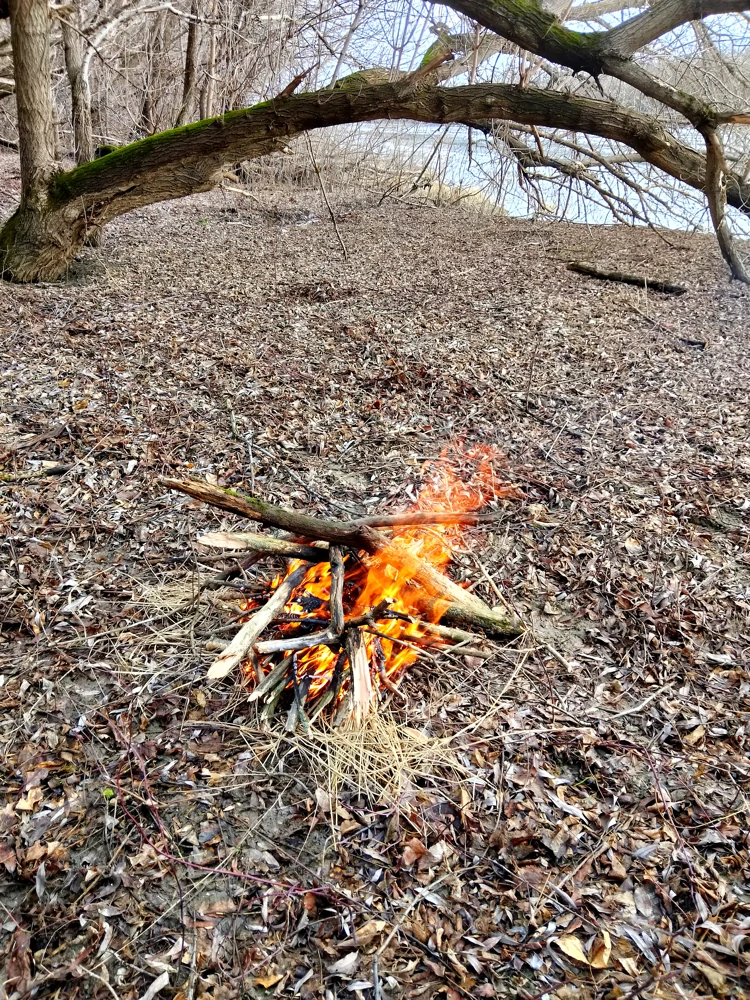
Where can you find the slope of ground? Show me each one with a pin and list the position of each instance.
(585, 833)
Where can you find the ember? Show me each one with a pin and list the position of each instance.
(349, 617)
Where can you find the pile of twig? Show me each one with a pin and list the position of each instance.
(445, 610)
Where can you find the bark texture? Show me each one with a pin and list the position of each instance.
(74, 47)
(29, 28)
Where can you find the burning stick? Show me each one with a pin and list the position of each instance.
(239, 647)
(272, 681)
(457, 607)
(327, 637)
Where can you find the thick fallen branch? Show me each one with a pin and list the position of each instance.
(337, 532)
(653, 284)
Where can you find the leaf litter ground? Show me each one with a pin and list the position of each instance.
(572, 814)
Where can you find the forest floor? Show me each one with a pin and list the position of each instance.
(583, 831)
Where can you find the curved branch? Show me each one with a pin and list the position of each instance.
(716, 193)
(187, 160)
(663, 17)
(528, 25)
(40, 242)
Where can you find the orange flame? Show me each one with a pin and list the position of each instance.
(374, 578)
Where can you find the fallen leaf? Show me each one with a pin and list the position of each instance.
(370, 930)
(717, 980)
(346, 965)
(695, 737)
(413, 851)
(31, 800)
(268, 981)
(601, 951)
(8, 858)
(572, 947)
(18, 968)
(629, 965)
(156, 987)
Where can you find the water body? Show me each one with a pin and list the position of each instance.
(479, 168)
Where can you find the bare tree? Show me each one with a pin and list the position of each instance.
(191, 68)
(574, 90)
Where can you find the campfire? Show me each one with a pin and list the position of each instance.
(359, 600)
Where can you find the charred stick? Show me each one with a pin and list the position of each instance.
(243, 641)
(276, 678)
(297, 711)
(327, 637)
(296, 642)
(381, 610)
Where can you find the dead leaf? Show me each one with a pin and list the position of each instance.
(601, 951)
(572, 947)
(345, 966)
(8, 858)
(695, 737)
(268, 981)
(18, 968)
(717, 980)
(413, 851)
(369, 931)
(629, 965)
(31, 800)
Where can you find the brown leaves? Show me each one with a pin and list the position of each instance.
(18, 966)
